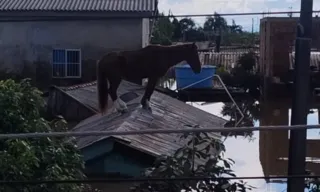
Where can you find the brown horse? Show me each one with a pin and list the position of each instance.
(150, 62)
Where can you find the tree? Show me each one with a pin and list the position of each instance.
(177, 31)
(244, 74)
(234, 28)
(187, 24)
(34, 159)
(217, 24)
(202, 156)
(163, 31)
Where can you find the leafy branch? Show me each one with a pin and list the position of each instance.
(35, 159)
(201, 156)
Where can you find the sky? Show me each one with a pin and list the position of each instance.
(185, 7)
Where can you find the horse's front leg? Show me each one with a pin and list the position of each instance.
(145, 101)
(120, 105)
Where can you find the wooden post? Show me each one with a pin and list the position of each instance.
(273, 144)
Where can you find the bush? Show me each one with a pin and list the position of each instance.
(202, 157)
(34, 159)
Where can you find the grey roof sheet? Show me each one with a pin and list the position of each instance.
(167, 113)
(78, 5)
(314, 59)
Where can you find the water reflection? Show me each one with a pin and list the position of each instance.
(251, 110)
(263, 153)
(266, 152)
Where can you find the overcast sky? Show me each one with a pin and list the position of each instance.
(184, 7)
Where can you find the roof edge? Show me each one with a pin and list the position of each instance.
(75, 99)
(287, 19)
(73, 15)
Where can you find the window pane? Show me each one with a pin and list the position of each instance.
(73, 56)
(59, 56)
(73, 70)
(58, 70)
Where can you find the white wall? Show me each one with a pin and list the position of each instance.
(23, 42)
(145, 31)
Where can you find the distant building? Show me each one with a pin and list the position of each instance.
(277, 39)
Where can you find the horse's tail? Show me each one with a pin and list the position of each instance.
(102, 86)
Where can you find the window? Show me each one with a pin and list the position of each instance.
(66, 63)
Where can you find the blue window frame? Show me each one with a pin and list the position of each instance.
(66, 63)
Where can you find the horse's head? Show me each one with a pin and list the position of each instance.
(192, 58)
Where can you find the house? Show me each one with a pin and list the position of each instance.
(62, 40)
(126, 156)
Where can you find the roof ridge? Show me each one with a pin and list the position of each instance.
(77, 86)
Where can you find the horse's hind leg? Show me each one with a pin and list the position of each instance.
(148, 92)
(119, 104)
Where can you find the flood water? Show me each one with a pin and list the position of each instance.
(265, 153)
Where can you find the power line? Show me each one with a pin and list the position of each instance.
(154, 131)
(27, 18)
(150, 179)
(240, 14)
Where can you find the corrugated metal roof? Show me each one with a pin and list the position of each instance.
(87, 93)
(78, 5)
(167, 113)
(314, 59)
(227, 59)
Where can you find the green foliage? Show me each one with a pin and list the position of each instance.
(165, 31)
(34, 158)
(250, 108)
(313, 185)
(243, 38)
(216, 24)
(247, 62)
(244, 75)
(202, 156)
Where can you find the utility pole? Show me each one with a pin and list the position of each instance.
(252, 30)
(290, 14)
(297, 144)
(252, 27)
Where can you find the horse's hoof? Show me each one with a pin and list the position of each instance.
(122, 111)
(147, 108)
